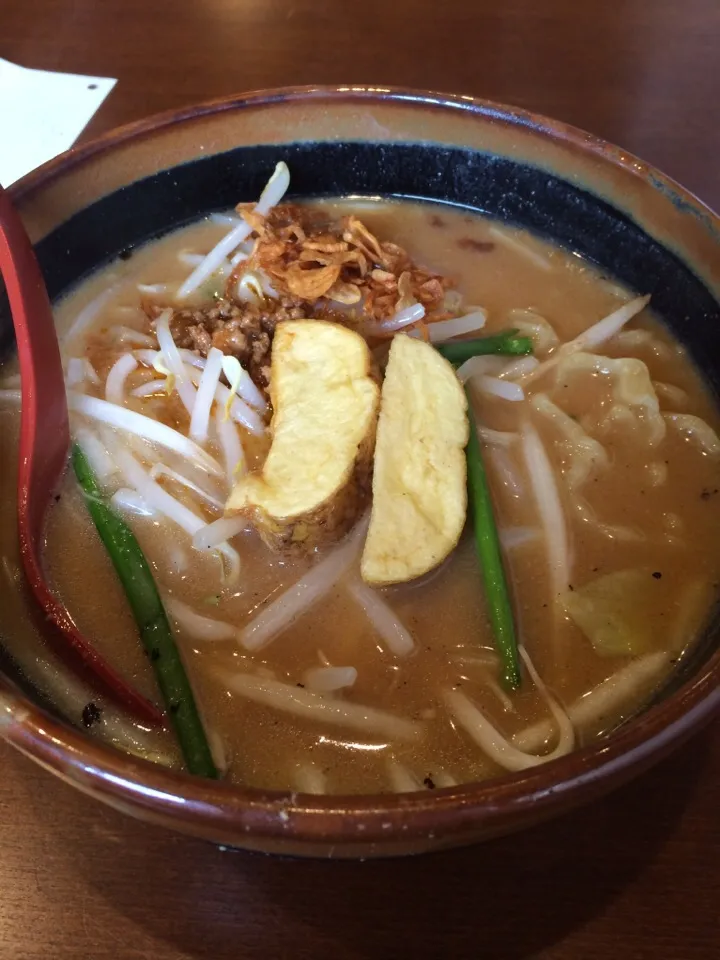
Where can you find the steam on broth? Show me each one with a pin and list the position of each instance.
(601, 452)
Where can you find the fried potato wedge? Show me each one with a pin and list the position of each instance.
(316, 478)
(419, 482)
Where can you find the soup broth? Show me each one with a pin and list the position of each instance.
(604, 608)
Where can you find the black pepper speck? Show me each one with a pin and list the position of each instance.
(91, 714)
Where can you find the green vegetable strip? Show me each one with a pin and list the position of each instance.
(488, 548)
(502, 343)
(142, 594)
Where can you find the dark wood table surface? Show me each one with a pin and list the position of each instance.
(635, 876)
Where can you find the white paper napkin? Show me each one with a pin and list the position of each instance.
(42, 114)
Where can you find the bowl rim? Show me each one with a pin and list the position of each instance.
(582, 140)
(134, 784)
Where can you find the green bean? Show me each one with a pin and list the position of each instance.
(487, 544)
(142, 595)
(500, 343)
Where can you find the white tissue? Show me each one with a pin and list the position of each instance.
(42, 114)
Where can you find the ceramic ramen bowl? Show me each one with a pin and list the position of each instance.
(139, 182)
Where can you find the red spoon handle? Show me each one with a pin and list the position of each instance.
(44, 444)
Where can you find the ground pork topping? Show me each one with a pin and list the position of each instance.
(309, 266)
(242, 330)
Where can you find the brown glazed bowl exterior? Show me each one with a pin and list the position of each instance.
(363, 826)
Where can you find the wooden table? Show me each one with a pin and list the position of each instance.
(633, 877)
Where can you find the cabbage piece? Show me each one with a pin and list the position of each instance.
(674, 396)
(537, 328)
(635, 406)
(627, 341)
(691, 611)
(581, 456)
(696, 430)
(615, 612)
(581, 452)
(613, 531)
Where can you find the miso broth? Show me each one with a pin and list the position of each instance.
(636, 487)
